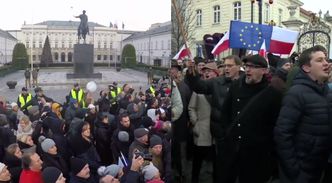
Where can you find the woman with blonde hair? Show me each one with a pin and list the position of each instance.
(57, 108)
(24, 126)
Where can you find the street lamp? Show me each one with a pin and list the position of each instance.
(260, 4)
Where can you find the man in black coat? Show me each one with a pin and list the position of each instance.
(248, 114)
(217, 88)
(302, 132)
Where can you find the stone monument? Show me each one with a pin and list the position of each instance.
(83, 53)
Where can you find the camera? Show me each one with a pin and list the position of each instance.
(145, 156)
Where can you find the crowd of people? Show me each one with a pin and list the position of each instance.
(123, 136)
(253, 119)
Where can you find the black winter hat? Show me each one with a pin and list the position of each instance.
(77, 165)
(51, 174)
(155, 140)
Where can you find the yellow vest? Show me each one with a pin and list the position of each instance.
(23, 102)
(79, 98)
(152, 91)
(114, 95)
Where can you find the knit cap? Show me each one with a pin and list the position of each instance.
(155, 140)
(51, 174)
(77, 165)
(149, 171)
(113, 170)
(123, 136)
(46, 143)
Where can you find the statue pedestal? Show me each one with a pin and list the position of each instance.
(83, 62)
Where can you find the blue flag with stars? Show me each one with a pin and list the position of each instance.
(249, 35)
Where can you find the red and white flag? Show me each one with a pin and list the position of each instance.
(262, 50)
(184, 52)
(222, 45)
(282, 40)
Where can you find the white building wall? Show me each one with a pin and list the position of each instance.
(6, 49)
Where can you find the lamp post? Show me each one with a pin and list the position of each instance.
(252, 11)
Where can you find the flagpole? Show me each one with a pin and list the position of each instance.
(180, 24)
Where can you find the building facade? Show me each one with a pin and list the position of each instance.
(7, 44)
(62, 35)
(153, 47)
(214, 16)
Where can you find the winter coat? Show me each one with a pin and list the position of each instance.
(217, 88)
(57, 161)
(118, 146)
(85, 150)
(302, 132)
(14, 165)
(103, 135)
(199, 112)
(139, 146)
(254, 126)
(29, 176)
(180, 126)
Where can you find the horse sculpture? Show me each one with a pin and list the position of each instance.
(82, 32)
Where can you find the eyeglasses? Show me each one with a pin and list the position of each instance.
(252, 66)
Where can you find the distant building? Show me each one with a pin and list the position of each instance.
(153, 47)
(63, 35)
(7, 44)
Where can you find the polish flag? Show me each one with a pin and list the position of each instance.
(282, 40)
(184, 52)
(222, 45)
(262, 50)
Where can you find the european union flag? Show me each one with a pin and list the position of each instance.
(249, 35)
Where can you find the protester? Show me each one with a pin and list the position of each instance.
(302, 132)
(32, 166)
(53, 175)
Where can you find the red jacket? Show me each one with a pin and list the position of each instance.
(29, 176)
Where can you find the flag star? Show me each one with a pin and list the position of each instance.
(251, 26)
(244, 43)
(257, 42)
(256, 28)
(259, 37)
(249, 45)
(260, 33)
(240, 34)
(242, 30)
(254, 45)
(246, 27)
(241, 39)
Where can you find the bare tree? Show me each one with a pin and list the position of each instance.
(188, 18)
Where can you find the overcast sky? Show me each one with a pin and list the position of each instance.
(136, 14)
(316, 5)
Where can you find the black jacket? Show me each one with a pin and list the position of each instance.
(14, 165)
(302, 132)
(56, 161)
(103, 135)
(254, 125)
(217, 88)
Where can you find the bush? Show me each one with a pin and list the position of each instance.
(128, 56)
(20, 56)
